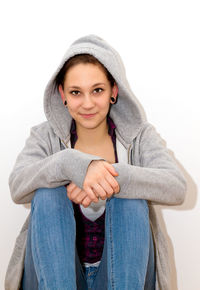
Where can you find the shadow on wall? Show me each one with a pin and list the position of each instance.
(189, 204)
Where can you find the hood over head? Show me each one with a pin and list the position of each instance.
(126, 113)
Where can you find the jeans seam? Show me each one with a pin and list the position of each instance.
(36, 256)
(111, 250)
(146, 210)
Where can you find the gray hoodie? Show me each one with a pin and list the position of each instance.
(47, 161)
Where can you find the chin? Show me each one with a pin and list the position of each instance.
(89, 124)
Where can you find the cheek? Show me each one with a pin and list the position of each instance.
(72, 110)
(104, 108)
(73, 104)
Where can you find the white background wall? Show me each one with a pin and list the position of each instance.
(159, 43)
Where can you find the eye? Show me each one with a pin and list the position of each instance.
(75, 93)
(98, 90)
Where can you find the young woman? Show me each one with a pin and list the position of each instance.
(92, 173)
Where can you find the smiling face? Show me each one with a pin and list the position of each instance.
(87, 92)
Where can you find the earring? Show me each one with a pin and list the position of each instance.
(65, 103)
(113, 100)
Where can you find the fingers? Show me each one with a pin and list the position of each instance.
(111, 169)
(86, 202)
(100, 180)
(72, 191)
(99, 190)
(71, 186)
(80, 197)
(106, 188)
(113, 183)
(90, 193)
(77, 195)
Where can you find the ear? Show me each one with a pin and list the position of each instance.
(115, 91)
(60, 88)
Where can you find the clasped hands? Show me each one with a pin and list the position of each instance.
(99, 182)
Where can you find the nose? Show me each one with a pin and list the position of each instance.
(88, 102)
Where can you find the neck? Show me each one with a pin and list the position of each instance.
(92, 137)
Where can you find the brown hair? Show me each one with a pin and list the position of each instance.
(77, 59)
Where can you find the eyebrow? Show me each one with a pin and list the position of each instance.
(97, 84)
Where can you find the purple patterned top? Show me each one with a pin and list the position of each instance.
(89, 234)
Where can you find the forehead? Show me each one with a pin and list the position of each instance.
(85, 72)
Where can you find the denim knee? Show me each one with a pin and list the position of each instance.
(51, 197)
(137, 207)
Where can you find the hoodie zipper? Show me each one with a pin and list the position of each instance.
(129, 154)
(64, 144)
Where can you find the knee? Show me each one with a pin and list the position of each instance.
(51, 197)
(139, 207)
(132, 207)
(128, 217)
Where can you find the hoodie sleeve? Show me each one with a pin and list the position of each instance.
(36, 167)
(158, 179)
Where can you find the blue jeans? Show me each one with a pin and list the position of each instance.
(52, 262)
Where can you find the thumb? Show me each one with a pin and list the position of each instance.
(111, 169)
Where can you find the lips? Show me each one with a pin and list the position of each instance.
(88, 116)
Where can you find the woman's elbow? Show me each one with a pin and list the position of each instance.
(180, 189)
(19, 198)
(14, 193)
(15, 190)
